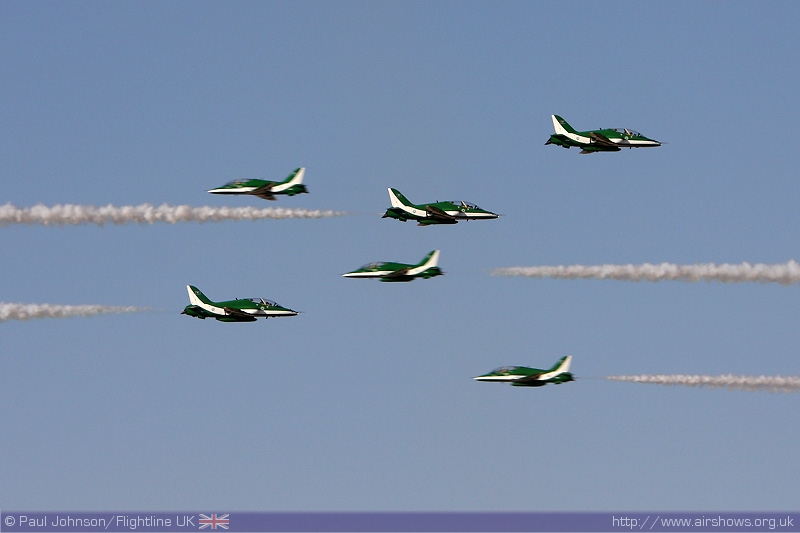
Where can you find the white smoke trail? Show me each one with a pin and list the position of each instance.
(68, 214)
(785, 384)
(784, 273)
(16, 311)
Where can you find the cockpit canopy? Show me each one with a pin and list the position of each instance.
(372, 266)
(237, 183)
(504, 370)
(261, 301)
(625, 131)
(463, 204)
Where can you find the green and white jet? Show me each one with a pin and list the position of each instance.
(239, 310)
(434, 213)
(265, 189)
(522, 376)
(400, 271)
(603, 140)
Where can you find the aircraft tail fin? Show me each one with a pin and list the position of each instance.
(561, 126)
(291, 185)
(196, 297)
(430, 260)
(562, 365)
(296, 177)
(397, 198)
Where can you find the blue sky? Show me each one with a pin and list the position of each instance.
(365, 401)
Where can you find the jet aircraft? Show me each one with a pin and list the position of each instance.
(400, 271)
(603, 140)
(522, 376)
(433, 213)
(239, 310)
(265, 189)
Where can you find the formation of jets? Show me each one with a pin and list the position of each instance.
(449, 212)
(400, 271)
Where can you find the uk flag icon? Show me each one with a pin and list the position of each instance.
(214, 521)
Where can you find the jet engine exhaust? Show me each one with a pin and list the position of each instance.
(785, 384)
(69, 214)
(783, 273)
(19, 311)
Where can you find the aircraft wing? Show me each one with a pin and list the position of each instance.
(602, 140)
(435, 212)
(265, 192)
(528, 379)
(237, 312)
(398, 273)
